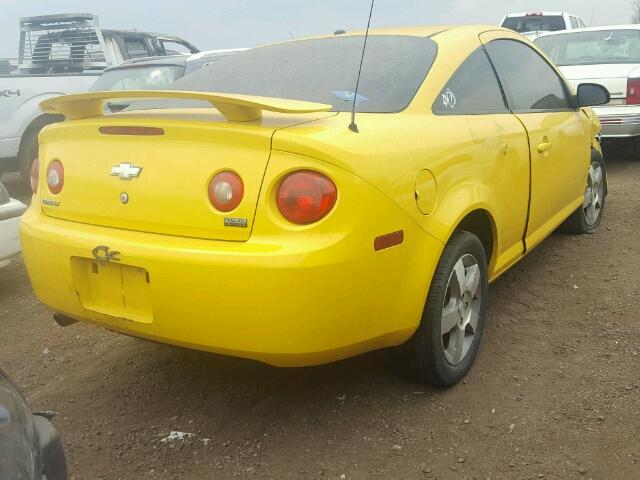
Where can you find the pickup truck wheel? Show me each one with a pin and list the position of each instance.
(588, 217)
(446, 344)
(28, 153)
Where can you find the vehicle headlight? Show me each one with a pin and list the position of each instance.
(18, 451)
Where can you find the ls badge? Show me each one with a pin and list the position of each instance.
(236, 222)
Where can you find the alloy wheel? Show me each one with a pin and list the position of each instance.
(461, 310)
(594, 195)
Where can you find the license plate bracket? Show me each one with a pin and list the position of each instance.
(113, 289)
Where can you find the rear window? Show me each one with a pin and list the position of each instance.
(325, 71)
(592, 48)
(138, 78)
(535, 23)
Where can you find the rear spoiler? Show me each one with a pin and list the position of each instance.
(236, 108)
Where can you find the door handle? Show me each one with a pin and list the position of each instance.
(545, 147)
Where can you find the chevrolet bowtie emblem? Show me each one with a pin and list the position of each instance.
(126, 171)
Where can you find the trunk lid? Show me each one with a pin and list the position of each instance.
(170, 195)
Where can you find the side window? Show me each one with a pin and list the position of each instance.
(528, 80)
(473, 89)
(136, 47)
(581, 23)
(574, 22)
(175, 48)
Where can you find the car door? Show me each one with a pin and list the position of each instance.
(489, 151)
(559, 133)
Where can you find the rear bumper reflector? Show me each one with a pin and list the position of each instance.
(388, 241)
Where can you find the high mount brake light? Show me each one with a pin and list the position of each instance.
(55, 177)
(226, 191)
(306, 197)
(132, 131)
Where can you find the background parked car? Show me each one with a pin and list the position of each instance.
(30, 448)
(61, 54)
(153, 73)
(609, 56)
(533, 23)
(10, 212)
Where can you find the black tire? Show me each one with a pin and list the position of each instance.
(579, 223)
(426, 350)
(28, 153)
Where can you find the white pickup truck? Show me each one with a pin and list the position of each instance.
(62, 54)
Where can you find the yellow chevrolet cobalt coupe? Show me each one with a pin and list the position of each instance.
(244, 213)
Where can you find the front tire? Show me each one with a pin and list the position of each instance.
(446, 344)
(588, 217)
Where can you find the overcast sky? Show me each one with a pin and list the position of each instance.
(214, 24)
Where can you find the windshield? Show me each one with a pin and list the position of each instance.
(535, 23)
(592, 48)
(138, 78)
(325, 71)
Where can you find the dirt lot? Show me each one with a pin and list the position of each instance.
(555, 393)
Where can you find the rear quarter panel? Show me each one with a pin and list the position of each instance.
(391, 149)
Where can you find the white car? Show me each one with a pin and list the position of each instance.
(532, 24)
(609, 56)
(10, 213)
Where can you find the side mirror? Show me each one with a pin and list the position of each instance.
(592, 95)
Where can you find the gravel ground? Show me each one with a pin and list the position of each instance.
(555, 392)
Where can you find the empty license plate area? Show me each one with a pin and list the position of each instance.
(113, 289)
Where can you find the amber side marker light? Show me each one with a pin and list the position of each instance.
(133, 131)
(387, 241)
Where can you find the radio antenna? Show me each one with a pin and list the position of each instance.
(354, 126)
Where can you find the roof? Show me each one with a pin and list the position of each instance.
(546, 14)
(138, 32)
(593, 29)
(414, 31)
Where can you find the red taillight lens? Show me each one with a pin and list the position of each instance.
(35, 175)
(226, 191)
(633, 91)
(55, 177)
(306, 197)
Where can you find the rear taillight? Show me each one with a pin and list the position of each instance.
(226, 191)
(35, 175)
(55, 177)
(306, 197)
(633, 91)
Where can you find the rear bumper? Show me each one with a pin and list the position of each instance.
(9, 230)
(620, 121)
(305, 300)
